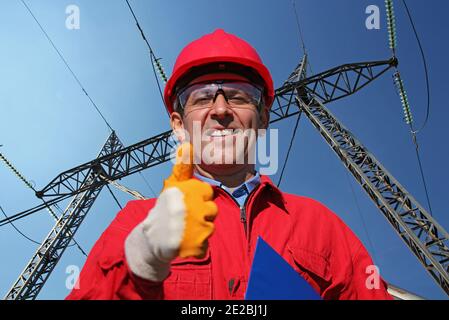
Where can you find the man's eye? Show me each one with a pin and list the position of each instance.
(201, 100)
(199, 96)
(239, 100)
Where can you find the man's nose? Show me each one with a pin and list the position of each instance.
(220, 108)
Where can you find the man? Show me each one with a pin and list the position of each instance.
(197, 239)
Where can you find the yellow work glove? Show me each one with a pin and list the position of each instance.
(200, 210)
(178, 225)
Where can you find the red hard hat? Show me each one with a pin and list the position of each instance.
(218, 47)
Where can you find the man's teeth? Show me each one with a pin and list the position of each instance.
(222, 133)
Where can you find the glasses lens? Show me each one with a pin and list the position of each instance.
(237, 94)
(242, 94)
(199, 95)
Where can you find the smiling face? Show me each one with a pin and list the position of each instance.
(226, 128)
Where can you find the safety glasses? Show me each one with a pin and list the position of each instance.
(238, 94)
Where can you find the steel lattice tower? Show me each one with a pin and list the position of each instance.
(299, 93)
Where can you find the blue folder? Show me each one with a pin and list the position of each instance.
(272, 278)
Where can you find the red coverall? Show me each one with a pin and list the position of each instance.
(313, 240)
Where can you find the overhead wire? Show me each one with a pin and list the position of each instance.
(54, 202)
(300, 35)
(408, 117)
(289, 147)
(301, 38)
(27, 183)
(113, 195)
(299, 28)
(77, 79)
(18, 230)
(154, 60)
(303, 46)
(155, 64)
(30, 186)
(426, 72)
(38, 208)
(148, 184)
(421, 170)
(32, 210)
(359, 211)
(67, 65)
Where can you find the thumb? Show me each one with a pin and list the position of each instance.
(183, 169)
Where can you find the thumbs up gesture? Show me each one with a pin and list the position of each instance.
(199, 209)
(178, 225)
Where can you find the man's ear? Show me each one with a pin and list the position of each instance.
(177, 125)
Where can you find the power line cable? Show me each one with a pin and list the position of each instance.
(148, 184)
(154, 59)
(301, 38)
(408, 117)
(30, 186)
(30, 211)
(425, 67)
(75, 76)
(154, 64)
(17, 229)
(421, 170)
(300, 110)
(54, 201)
(409, 120)
(359, 211)
(113, 195)
(289, 147)
(67, 65)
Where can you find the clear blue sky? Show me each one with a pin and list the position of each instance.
(47, 125)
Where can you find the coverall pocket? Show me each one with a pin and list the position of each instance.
(313, 267)
(189, 279)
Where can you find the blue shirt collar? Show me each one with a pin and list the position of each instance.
(241, 192)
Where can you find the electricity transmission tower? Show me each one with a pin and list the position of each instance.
(421, 233)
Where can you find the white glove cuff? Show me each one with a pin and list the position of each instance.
(140, 258)
(155, 242)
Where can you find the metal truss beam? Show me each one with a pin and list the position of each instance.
(333, 84)
(37, 271)
(116, 165)
(423, 235)
(428, 240)
(328, 86)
